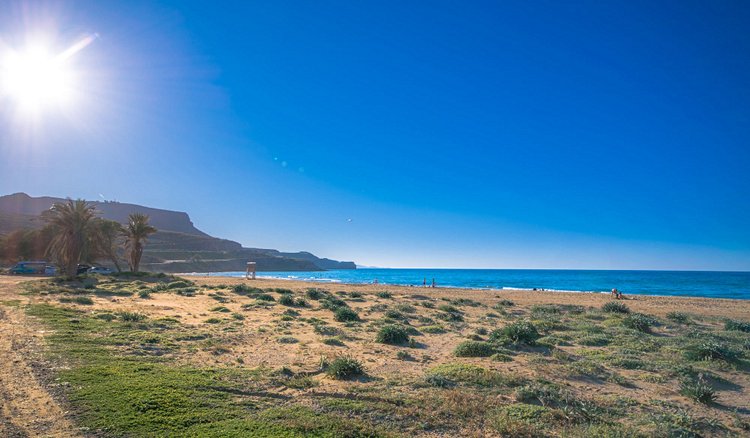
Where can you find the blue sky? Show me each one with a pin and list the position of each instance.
(607, 135)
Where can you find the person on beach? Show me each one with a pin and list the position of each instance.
(433, 282)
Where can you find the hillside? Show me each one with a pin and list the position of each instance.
(178, 246)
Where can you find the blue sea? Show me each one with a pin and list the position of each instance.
(670, 283)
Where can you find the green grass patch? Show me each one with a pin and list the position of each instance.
(117, 394)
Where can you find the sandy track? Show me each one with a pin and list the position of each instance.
(26, 408)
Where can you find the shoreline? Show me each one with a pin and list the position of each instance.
(417, 286)
(657, 304)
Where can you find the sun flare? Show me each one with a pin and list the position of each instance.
(37, 78)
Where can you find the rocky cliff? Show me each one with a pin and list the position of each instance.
(178, 246)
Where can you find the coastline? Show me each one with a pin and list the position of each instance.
(656, 304)
(268, 276)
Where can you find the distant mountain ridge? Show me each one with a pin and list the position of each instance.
(178, 246)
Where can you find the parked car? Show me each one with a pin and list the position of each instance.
(28, 268)
(99, 270)
(50, 270)
(82, 269)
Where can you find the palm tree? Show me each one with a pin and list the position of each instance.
(108, 235)
(136, 232)
(72, 224)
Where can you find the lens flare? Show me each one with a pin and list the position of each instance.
(36, 78)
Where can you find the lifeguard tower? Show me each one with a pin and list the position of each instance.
(250, 273)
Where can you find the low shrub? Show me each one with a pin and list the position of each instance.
(286, 300)
(344, 314)
(221, 309)
(450, 317)
(734, 325)
(243, 289)
(86, 301)
(326, 330)
(403, 355)
(639, 321)
(314, 294)
(406, 308)
(545, 394)
(332, 303)
(438, 381)
(394, 314)
(551, 395)
(179, 284)
(334, 342)
(384, 294)
(501, 357)
(392, 334)
(710, 349)
(432, 329)
(545, 309)
(145, 294)
(131, 316)
(678, 317)
(615, 307)
(698, 390)
(345, 367)
(265, 297)
(106, 317)
(287, 340)
(474, 349)
(465, 302)
(518, 332)
(474, 375)
(448, 308)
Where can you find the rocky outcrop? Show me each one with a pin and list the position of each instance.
(178, 246)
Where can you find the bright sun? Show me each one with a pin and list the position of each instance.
(36, 78)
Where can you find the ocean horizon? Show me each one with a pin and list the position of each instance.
(709, 284)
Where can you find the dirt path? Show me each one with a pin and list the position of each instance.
(26, 408)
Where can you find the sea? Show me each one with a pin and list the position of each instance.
(734, 285)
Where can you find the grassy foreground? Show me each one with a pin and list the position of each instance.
(172, 357)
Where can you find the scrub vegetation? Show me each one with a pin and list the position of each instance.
(202, 358)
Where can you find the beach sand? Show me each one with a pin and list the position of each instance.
(254, 340)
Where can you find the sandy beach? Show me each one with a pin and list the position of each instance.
(248, 333)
